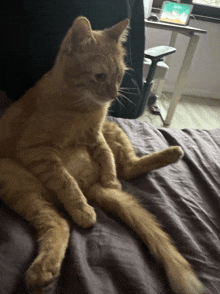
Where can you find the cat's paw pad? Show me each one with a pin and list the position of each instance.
(42, 273)
(84, 216)
(174, 154)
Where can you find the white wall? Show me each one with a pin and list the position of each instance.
(204, 73)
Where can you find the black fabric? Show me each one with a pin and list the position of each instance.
(33, 30)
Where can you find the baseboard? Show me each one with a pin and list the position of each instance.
(195, 92)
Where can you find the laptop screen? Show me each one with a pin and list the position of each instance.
(176, 13)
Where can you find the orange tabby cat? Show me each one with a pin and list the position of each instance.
(57, 148)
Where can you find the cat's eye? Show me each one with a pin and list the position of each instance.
(101, 77)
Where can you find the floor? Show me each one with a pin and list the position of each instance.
(191, 112)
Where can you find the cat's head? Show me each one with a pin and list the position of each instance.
(92, 62)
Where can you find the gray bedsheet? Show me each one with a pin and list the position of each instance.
(110, 258)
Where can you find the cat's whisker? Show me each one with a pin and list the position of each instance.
(128, 92)
(128, 73)
(123, 96)
(82, 100)
(129, 68)
(120, 101)
(126, 88)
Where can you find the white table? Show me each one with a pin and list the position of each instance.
(190, 32)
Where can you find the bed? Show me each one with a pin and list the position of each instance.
(110, 258)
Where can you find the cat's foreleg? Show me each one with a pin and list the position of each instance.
(104, 156)
(179, 272)
(128, 164)
(23, 193)
(46, 165)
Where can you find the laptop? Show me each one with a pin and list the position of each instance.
(175, 13)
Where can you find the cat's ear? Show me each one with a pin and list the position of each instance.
(119, 31)
(80, 34)
(82, 31)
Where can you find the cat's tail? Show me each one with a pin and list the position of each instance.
(182, 278)
(180, 274)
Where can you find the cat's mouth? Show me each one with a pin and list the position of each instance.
(90, 97)
(103, 100)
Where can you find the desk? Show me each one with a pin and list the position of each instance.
(190, 32)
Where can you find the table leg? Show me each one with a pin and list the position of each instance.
(161, 83)
(182, 78)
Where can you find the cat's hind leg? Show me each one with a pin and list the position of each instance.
(128, 164)
(22, 192)
(136, 166)
(179, 272)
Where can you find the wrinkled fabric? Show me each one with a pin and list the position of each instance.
(110, 257)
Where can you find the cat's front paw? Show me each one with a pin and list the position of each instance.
(174, 153)
(84, 216)
(42, 273)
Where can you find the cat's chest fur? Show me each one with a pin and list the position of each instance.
(79, 162)
(72, 135)
(75, 139)
(76, 149)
